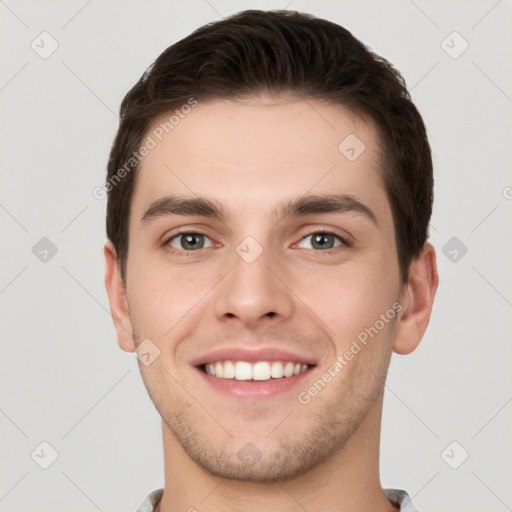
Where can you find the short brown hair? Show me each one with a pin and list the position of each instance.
(281, 52)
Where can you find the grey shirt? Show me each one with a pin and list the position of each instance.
(396, 497)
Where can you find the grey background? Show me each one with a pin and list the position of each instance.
(64, 380)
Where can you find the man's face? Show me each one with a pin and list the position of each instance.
(274, 280)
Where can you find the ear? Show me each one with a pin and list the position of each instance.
(417, 299)
(117, 298)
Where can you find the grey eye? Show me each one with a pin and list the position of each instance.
(322, 241)
(190, 241)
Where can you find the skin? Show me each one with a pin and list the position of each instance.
(250, 156)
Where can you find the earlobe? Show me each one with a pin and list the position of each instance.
(116, 292)
(417, 300)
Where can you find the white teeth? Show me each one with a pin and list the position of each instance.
(243, 370)
(288, 370)
(261, 370)
(229, 370)
(276, 370)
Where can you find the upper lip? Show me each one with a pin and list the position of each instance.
(252, 355)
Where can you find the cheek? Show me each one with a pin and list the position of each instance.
(349, 299)
(161, 296)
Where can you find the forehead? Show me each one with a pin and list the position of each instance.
(253, 153)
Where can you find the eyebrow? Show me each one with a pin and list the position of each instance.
(301, 206)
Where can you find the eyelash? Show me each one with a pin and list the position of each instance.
(167, 245)
(343, 240)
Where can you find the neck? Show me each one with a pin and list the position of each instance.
(346, 481)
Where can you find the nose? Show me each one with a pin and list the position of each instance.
(254, 293)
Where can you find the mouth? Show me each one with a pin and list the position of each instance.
(254, 371)
(252, 381)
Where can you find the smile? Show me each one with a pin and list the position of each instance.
(259, 370)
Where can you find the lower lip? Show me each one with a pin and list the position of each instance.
(248, 389)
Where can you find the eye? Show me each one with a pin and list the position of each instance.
(189, 241)
(322, 240)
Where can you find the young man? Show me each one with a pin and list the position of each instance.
(270, 189)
